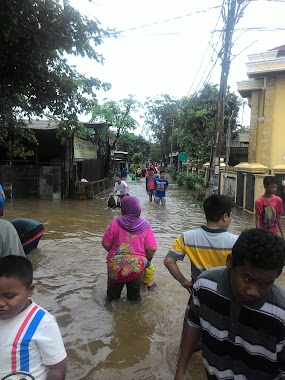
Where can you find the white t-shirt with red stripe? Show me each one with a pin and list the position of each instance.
(30, 342)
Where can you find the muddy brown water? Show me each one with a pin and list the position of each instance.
(119, 341)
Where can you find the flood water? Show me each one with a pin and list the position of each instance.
(121, 341)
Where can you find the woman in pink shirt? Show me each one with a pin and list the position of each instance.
(130, 244)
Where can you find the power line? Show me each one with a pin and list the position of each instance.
(209, 44)
(167, 20)
(256, 29)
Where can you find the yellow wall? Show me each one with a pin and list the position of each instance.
(278, 130)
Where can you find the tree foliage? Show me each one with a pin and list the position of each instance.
(155, 152)
(137, 158)
(188, 124)
(197, 116)
(35, 78)
(118, 116)
(132, 144)
(161, 118)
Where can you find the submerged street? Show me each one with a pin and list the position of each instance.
(119, 341)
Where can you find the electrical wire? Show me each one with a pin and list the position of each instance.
(168, 20)
(206, 80)
(203, 59)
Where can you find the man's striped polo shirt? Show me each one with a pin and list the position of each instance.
(239, 341)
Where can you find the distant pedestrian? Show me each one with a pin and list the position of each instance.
(124, 173)
(150, 185)
(2, 201)
(161, 185)
(268, 208)
(120, 189)
(138, 173)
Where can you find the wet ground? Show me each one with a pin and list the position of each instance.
(119, 341)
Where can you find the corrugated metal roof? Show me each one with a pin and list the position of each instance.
(42, 125)
(50, 125)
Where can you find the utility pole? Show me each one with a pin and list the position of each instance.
(219, 123)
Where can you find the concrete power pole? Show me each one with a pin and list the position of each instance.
(219, 124)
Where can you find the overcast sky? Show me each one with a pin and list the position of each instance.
(172, 47)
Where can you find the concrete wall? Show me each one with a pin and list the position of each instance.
(31, 181)
(278, 129)
(267, 132)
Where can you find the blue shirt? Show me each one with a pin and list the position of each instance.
(160, 187)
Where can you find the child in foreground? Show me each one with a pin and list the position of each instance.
(31, 342)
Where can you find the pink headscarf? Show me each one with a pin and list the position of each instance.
(130, 219)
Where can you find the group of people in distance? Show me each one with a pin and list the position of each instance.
(235, 313)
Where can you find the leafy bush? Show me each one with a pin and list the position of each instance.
(173, 173)
(192, 182)
(181, 178)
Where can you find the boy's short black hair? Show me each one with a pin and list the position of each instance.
(162, 171)
(260, 249)
(119, 175)
(17, 267)
(216, 205)
(269, 180)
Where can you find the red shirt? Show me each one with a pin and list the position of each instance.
(269, 209)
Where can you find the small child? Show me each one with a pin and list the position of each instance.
(148, 277)
(31, 342)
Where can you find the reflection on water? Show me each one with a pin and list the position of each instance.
(106, 341)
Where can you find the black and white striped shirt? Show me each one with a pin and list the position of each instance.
(241, 341)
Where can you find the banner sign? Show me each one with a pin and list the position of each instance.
(84, 150)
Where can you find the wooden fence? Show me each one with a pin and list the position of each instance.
(87, 190)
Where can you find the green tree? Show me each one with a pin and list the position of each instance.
(132, 143)
(155, 152)
(137, 158)
(197, 119)
(118, 116)
(35, 78)
(162, 118)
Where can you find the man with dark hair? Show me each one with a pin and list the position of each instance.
(239, 313)
(207, 246)
(269, 208)
(120, 189)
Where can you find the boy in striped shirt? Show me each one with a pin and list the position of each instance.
(31, 343)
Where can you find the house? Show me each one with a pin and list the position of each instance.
(56, 165)
(265, 92)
